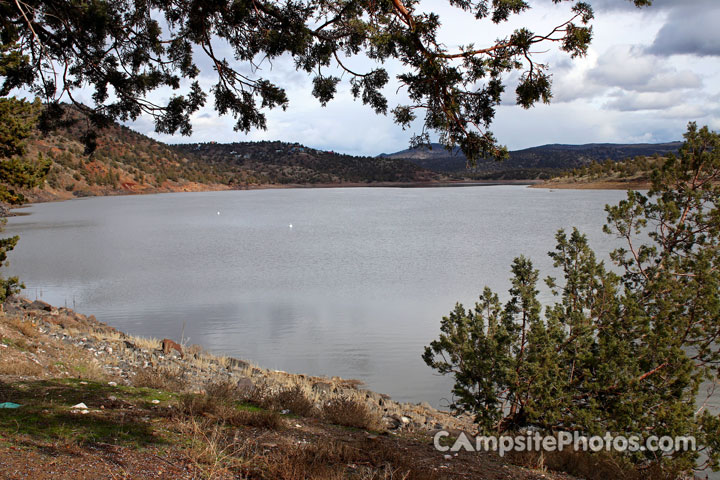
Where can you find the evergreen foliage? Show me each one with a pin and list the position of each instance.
(17, 119)
(622, 350)
(127, 49)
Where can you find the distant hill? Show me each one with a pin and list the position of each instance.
(126, 161)
(274, 162)
(535, 162)
(633, 172)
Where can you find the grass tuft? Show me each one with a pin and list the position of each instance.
(349, 412)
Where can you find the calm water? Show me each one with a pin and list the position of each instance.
(356, 287)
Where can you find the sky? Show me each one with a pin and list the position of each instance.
(647, 74)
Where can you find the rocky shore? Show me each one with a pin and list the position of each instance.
(122, 356)
(82, 400)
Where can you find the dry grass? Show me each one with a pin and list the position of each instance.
(334, 460)
(25, 327)
(161, 378)
(212, 450)
(221, 403)
(351, 413)
(145, 343)
(293, 399)
(20, 367)
(349, 382)
(590, 466)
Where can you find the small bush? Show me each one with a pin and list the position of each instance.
(351, 413)
(160, 379)
(223, 391)
(220, 403)
(266, 419)
(293, 399)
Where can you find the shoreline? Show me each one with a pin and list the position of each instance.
(595, 185)
(80, 399)
(42, 196)
(121, 355)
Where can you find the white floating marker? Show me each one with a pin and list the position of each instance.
(218, 213)
(290, 225)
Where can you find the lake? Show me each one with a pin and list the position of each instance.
(350, 282)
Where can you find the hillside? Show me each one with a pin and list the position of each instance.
(631, 173)
(285, 163)
(126, 161)
(536, 162)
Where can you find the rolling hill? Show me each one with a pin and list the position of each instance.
(536, 162)
(126, 162)
(274, 162)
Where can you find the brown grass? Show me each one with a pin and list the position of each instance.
(221, 403)
(212, 450)
(293, 399)
(161, 378)
(330, 460)
(351, 413)
(590, 466)
(21, 367)
(25, 327)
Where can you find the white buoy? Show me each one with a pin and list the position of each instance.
(218, 213)
(290, 225)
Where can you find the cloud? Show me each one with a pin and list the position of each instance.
(690, 31)
(630, 102)
(627, 67)
(657, 5)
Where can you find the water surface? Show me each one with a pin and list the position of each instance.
(355, 288)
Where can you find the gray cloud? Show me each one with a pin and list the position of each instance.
(691, 31)
(657, 5)
(629, 68)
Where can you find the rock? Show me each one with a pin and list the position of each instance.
(40, 305)
(322, 388)
(245, 384)
(391, 422)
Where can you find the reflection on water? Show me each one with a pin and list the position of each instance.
(355, 288)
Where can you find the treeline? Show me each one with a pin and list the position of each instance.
(274, 162)
(638, 167)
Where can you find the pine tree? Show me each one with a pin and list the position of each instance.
(17, 120)
(617, 352)
(127, 49)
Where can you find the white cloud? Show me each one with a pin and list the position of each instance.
(628, 102)
(625, 90)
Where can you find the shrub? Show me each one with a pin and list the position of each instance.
(351, 413)
(293, 399)
(160, 378)
(622, 351)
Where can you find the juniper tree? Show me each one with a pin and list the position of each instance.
(123, 50)
(623, 350)
(17, 121)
